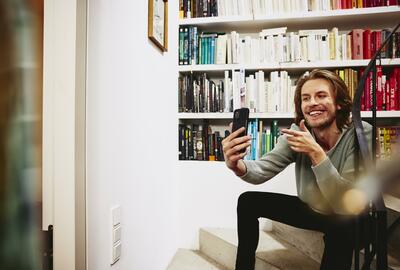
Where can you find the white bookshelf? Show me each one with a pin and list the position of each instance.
(274, 115)
(339, 17)
(345, 20)
(293, 66)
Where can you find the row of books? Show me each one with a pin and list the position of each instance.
(263, 138)
(213, 8)
(199, 142)
(276, 45)
(285, 7)
(198, 93)
(389, 142)
(387, 91)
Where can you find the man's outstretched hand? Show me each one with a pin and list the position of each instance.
(302, 141)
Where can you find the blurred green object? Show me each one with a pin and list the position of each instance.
(20, 134)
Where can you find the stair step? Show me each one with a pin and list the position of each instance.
(392, 202)
(272, 252)
(309, 242)
(186, 259)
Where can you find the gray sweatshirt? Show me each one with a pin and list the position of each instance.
(321, 186)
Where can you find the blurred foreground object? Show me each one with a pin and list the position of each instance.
(385, 180)
(20, 133)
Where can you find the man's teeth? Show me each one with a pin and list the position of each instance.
(314, 113)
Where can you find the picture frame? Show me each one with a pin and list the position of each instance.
(158, 23)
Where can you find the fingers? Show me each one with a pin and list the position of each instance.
(236, 149)
(231, 140)
(296, 144)
(303, 126)
(235, 133)
(296, 149)
(292, 132)
(237, 156)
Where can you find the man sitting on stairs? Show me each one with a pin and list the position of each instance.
(322, 144)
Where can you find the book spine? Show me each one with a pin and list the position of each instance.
(379, 89)
(212, 50)
(357, 44)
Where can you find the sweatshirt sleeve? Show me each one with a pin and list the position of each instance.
(271, 163)
(332, 183)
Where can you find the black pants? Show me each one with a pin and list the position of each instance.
(339, 230)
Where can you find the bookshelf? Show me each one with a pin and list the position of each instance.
(344, 19)
(340, 17)
(293, 66)
(275, 115)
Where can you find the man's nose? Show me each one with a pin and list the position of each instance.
(313, 101)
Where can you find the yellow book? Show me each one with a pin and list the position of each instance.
(348, 47)
(332, 46)
(341, 74)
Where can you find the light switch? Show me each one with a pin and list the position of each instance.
(116, 215)
(117, 234)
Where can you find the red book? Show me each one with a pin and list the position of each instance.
(397, 72)
(357, 44)
(375, 42)
(368, 90)
(384, 106)
(363, 101)
(379, 88)
(392, 84)
(367, 44)
(363, 96)
(344, 4)
(381, 2)
(378, 40)
(392, 3)
(387, 95)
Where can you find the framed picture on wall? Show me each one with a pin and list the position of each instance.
(158, 23)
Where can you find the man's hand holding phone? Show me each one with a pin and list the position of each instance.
(234, 146)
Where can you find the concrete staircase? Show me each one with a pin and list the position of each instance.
(284, 247)
(218, 251)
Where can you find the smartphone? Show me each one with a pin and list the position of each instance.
(240, 119)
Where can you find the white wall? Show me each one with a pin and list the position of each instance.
(131, 137)
(132, 131)
(208, 197)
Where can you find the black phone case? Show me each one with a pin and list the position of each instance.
(240, 119)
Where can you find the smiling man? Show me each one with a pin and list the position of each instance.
(321, 143)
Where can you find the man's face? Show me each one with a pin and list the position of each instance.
(318, 104)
